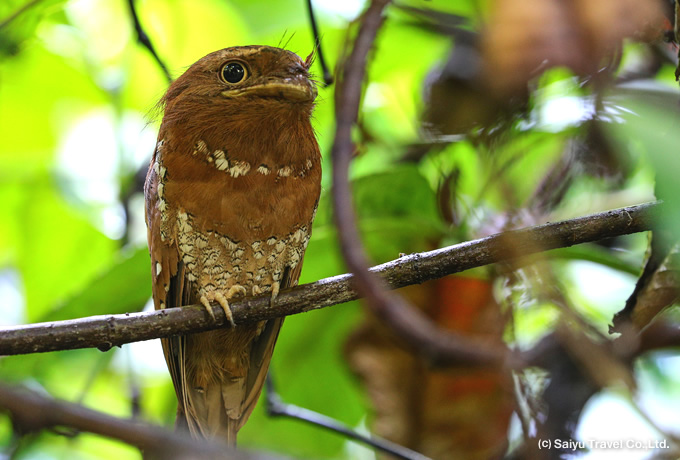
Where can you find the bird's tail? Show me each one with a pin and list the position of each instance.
(208, 415)
(220, 408)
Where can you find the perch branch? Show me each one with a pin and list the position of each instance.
(107, 331)
(31, 412)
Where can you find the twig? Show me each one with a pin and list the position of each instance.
(32, 412)
(21, 10)
(144, 39)
(327, 75)
(107, 331)
(277, 408)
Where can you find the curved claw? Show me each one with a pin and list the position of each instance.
(222, 300)
(206, 303)
(276, 287)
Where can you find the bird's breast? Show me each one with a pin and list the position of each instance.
(235, 222)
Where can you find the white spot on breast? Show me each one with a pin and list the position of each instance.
(263, 169)
(201, 241)
(294, 258)
(285, 171)
(256, 245)
(159, 268)
(221, 161)
(240, 168)
(184, 223)
(271, 241)
(200, 147)
(309, 164)
(231, 245)
(280, 246)
(298, 235)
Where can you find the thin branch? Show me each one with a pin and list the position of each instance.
(21, 10)
(327, 75)
(31, 412)
(277, 408)
(107, 331)
(144, 39)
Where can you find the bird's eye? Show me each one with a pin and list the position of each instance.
(233, 72)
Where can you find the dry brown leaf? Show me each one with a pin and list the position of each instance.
(661, 290)
(458, 413)
(524, 38)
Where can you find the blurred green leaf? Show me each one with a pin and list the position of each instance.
(124, 287)
(645, 122)
(59, 251)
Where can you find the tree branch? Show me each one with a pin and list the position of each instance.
(277, 408)
(31, 412)
(327, 75)
(144, 39)
(107, 331)
(21, 10)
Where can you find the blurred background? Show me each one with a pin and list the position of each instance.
(477, 117)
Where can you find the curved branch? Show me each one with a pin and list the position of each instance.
(107, 331)
(32, 412)
(439, 346)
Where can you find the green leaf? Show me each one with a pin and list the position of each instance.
(124, 287)
(59, 250)
(645, 122)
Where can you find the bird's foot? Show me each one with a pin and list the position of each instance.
(276, 286)
(206, 303)
(222, 300)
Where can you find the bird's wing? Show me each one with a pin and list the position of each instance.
(169, 285)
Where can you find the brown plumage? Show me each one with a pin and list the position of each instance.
(231, 193)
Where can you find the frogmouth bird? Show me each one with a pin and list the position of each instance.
(231, 194)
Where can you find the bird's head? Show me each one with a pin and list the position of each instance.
(238, 75)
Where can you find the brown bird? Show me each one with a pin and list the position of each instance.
(231, 193)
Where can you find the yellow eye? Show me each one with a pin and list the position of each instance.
(233, 72)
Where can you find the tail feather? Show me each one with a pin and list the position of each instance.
(220, 408)
(207, 417)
